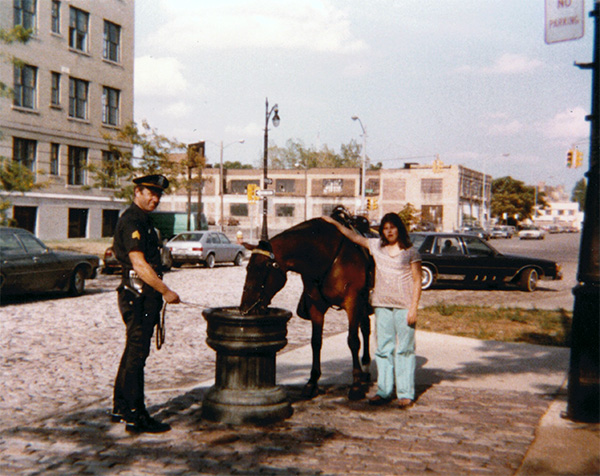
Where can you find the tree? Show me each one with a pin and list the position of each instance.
(410, 216)
(236, 165)
(296, 154)
(578, 194)
(514, 198)
(14, 177)
(121, 166)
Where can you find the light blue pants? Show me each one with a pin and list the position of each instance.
(395, 354)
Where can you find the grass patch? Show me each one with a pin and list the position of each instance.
(533, 326)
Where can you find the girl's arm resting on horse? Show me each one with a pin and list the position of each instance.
(415, 268)
(348, 233)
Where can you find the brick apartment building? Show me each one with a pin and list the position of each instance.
(76, 84)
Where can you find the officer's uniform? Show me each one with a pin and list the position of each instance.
(139, 303)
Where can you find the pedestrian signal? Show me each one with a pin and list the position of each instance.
(252, 196)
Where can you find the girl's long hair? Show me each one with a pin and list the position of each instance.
(396, 221)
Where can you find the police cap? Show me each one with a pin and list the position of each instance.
(158, 183)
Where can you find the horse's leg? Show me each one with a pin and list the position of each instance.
(357, 390)
(311, 389)
(365, 328)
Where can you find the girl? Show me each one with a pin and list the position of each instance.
(395, 298)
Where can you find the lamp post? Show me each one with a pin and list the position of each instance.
(305, 167)
(264, 235)
(364, 163)
(222, 186)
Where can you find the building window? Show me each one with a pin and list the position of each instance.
(24, 152)
(55, 17)
(112, 42)
(54, 158)
(241, 186)
(77, 222)
(285, 185)
(78, 29)
(372, 187)
(238, 209)
(77, 162)
(109, 168)
(24, 13)
(431, 186)
(55, 89)
(109, 222)
(110, 106)
(25, 86)
(282, 210)
(78, 98)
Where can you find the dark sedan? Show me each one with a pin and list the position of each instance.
(456, 255)
(28, 266)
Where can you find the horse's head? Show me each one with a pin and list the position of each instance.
(264, 278)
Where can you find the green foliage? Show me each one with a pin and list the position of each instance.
(445, 309)
(410, 216)
(578, 194)
(296, 154)
(14, 178)
(155, 158)
(514, 197)
(236, 165)
(18, 34)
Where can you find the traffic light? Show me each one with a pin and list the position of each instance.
(374, 204)
(251, 190)
(569, 159)
(369, 204)
(578, 158)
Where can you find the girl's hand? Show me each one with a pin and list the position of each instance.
(411, 318)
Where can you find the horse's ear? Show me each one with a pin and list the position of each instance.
(248, 246)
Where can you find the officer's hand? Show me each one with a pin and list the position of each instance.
(171, 297)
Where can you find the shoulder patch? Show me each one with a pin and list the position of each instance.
(136, 234)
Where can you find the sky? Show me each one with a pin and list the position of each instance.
(472, 81)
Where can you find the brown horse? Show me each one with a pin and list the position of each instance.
(334, 273)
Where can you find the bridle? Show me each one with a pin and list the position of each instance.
(272, 262)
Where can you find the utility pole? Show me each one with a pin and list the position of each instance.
(583, 400)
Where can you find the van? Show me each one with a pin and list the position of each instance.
(171, 223)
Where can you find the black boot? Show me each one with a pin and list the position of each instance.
(141, 422)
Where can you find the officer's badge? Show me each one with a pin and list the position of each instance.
(136, 235)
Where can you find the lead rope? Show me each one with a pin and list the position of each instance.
(160, 328)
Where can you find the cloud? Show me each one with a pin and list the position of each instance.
(570, 124)
(178, 110)
(506, 129)
(159, 77)
(312, 25)
(507, 64)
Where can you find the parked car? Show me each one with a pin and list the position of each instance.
(531, 232)
(456, 255)
(111, 264)
(27, 265)
(204, 247)
(500, 231)
(475, 230)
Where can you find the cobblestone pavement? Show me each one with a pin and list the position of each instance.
(58, 358)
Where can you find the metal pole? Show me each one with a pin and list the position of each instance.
(221, 191)
(264, 234)
(583, 402)
(364, 164)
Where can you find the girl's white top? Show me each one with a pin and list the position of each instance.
(393, 276)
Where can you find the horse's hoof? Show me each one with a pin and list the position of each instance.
(309, 391)
(356, 393)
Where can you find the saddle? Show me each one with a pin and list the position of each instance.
(360, 225)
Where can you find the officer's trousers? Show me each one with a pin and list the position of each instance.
(140, 314)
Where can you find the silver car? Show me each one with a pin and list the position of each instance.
(204, 247)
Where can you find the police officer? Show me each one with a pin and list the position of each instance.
(141, 296)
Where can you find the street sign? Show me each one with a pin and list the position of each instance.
(564, 20)
(264, 193)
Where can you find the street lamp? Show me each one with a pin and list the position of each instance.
(264, 235)
(305, 167)
(364, 162)
(222, 186)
